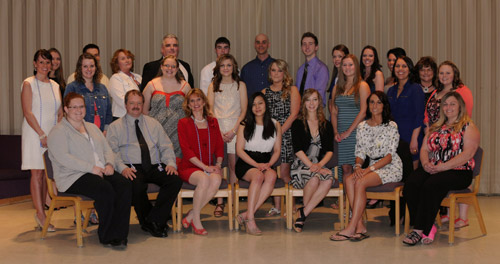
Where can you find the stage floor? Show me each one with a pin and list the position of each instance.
(21, 243)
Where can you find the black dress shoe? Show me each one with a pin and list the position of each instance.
(116, 243)
(154, 229)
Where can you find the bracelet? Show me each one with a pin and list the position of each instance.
(234, 131)
(357, 165)
(43, 136)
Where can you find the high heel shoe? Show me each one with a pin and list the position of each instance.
(252, 231)
(240, 219)
(185, 222)
(51, 228)
(201, 232)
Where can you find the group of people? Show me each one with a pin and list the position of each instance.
(107, 139)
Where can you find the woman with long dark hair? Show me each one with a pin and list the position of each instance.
(371, 69)
(338, 53)
(258, 147)
(57, 73)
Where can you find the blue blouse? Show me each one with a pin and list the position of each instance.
(101, 98)
(407, 109)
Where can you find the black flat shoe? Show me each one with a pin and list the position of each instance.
(155, 229)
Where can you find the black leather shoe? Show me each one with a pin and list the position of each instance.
(154, 229)
(116, 243)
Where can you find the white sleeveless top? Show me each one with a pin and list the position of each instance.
(257, 143)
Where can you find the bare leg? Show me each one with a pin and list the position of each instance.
(206, 188)
(37, 195)
(266, 188)
(256, 178)
(285, 176)
(317, 196)
(231, 160)
(463, 211)
(359, 201)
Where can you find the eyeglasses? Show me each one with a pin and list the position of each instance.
(76, 107)
(169, 66)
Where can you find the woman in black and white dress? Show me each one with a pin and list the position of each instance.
(258, 146)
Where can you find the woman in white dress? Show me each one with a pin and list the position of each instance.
(122, 81)
(377, 138)
(227, 97)
(41, 104)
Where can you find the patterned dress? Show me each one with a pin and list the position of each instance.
(167, 109)
(300, 173)
(376, 142)
(347, 112)
(280, 110)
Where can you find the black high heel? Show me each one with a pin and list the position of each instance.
(301, 217)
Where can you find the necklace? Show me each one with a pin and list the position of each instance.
(426, 89)
(198, 121)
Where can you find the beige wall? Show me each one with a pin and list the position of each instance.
(463, 31)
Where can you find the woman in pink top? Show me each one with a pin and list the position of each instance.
(448, 81)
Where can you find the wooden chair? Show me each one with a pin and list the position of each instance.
(280, 189)
(81, 203)
(225, 191)
(153, 191)
(337, 190)
(465, 196)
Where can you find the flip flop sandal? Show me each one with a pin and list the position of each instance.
(342, 237)
(414, 238)
(362, 236)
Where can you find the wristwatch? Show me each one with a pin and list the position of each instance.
(372, 168)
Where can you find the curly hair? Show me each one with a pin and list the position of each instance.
(457, 82)
(386, 112)
(235, 75)
(78, 72)
(196, 92)
(114, 61)
(287, 78)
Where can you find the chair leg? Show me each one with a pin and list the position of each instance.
(341, 211)
(479, 215)
(174, 217)
(236, 209)
(87, 219)
(230, 210)
(79, 236)
(45, 226)
(438, 220)
(289, 209)
(451, 235)
(407, 220)
(398, 213)
(347, 211)
(283, 204)
(179, 212)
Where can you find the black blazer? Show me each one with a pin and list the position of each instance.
(151, 69)
(302, 140)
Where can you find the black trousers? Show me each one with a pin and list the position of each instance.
(170, 186)
(112, 195)
(424, 192)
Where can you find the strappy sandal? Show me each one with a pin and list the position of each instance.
(413, 238)
(252, 231)
(219, 210)
(301, 219)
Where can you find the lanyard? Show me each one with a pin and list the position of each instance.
(199, 145)
(157, 149)
(41, 104)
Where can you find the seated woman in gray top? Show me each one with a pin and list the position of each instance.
(84, 164)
